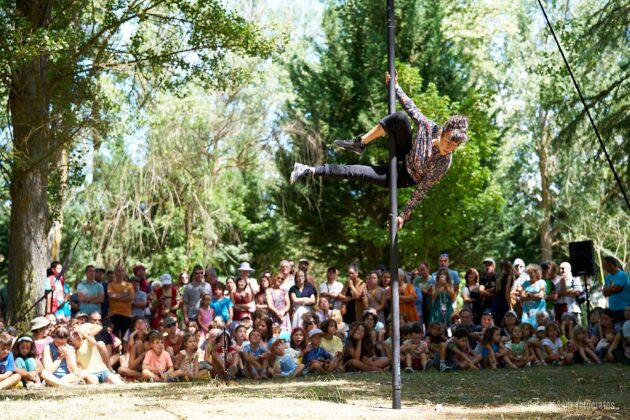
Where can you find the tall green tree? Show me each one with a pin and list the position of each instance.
(342, 93)
(53, 55)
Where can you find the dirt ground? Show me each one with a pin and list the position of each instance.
(467, 395)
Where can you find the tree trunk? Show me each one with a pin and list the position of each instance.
(546, 233)
(61, 160)
(28, 101)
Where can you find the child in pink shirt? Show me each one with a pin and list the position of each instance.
(157, 365)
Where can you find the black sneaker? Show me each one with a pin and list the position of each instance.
(300, 171)
(351, 145)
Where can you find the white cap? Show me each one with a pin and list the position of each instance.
(520, 262)
(166, 279)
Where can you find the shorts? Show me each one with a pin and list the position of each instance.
(102, 376)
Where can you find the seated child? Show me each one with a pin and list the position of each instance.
(26, 362)
(457, 353)
(331, 341)
(436, 341)
(255, 360)
(414, 349)
(584, 350)
(225, 358)
(59, 360)
(593, 325)
(157, 365)
(554, 351)
(131, 365)
(8, 375)
(284, 359)
(342, 327)
(493, 351)
(534, 346)
(187, 362)
(173, 338)
(517, 348)
(316, 359)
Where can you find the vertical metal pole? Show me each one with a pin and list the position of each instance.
(393, 224)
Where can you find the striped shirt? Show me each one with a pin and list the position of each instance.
(425, 164)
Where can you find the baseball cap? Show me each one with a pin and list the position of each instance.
(540, 329)
(166, 279)
(488, 260)
(519, 261)
(315, 331)
(169, 321)
(245, 315)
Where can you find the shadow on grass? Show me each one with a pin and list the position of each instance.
(539, 391)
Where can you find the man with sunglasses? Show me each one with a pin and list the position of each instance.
(193, 292)
(422, 161)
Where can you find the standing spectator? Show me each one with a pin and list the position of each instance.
(192, 294)
(165, 301)
(407, 298)
(57, 300)
(100, 277)
(278, 303)
(121, 295)
(550, 273)
(331, 288)
(260, 299)
(520, 277)
(288, 280)
(424, 281)
(501, 301)
(444, 262)
(245, 270)
(616, 287)
(443, 296)
(568, 288)
(471, 295)
(242, 298)
(374, 297)
(488, 283)
(533, 295)
(91, 293)
(140, 272)
(303, 298)
(211, 277)
(303, 265)
(139, 303)
(351, 296)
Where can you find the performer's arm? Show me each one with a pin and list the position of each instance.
(410, 107)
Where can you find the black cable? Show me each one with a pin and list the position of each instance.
(577, 87)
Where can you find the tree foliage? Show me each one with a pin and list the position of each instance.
(342, 94)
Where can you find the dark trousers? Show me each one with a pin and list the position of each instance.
(398, 127)
(121, 324)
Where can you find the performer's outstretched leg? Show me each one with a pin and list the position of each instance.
(396, 124)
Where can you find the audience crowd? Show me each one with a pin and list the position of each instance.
(117, 328)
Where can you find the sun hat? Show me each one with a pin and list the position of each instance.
(245, 267)
(39, 322)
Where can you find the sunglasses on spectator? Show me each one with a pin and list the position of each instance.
(309, 323)
(170, 325)
(95, 320)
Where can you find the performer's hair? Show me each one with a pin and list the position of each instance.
(458, 126)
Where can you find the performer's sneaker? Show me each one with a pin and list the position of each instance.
(354, 146)
(300, 171)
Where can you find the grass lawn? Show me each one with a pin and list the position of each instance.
(539, 392)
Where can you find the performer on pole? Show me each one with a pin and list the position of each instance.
(422, 162)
